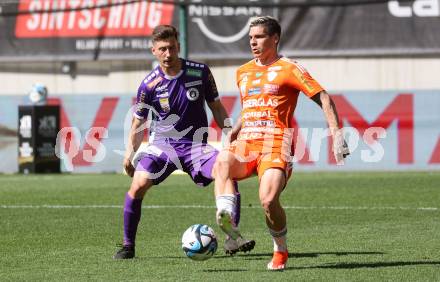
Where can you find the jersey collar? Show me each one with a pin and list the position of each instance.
(271, 63)
(169, 77)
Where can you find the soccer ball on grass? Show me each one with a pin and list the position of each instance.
(199, 242)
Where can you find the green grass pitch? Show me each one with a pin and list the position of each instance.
(342, 227)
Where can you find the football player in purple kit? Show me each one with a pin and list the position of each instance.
(174, 93)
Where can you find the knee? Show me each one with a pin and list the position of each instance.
(268, 203)
(221, 169)
(139, 186)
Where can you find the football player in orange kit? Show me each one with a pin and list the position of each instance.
(261, 141)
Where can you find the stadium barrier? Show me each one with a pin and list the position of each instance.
(38, 126)
(405, 131)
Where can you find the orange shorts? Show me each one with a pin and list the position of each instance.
(259, 158)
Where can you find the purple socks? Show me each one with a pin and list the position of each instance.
(237, 207)
(132, 215)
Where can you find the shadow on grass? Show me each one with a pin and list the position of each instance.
(265, 256)
(355, 265)
(317, 254)
(224, 270)
(261, 256)
(183, 257)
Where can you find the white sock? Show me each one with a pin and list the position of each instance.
(279, 240)
(225, 206)
(226, 203)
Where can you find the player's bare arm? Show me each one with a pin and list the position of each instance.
(135, 137)
(219, 114)
(232, 135)
(340, 148)
(222, 119)
(328, 106)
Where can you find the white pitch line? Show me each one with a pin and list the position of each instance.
(212, 207)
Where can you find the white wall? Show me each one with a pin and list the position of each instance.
(333, 74)
(360, 74)
(114, 83)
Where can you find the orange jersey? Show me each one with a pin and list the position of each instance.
(269, 95)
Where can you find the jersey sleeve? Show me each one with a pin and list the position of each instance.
(237, 78)
(142, 108)
(303, 81)
(241, 84)
(211, 92)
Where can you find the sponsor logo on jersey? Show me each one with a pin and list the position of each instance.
(271, 75)
(244, 79)
(193, 83)
(161, 88)
(162, 91)
(192, 94)
(243, 89)
(193, 72)
(249, 136)
(257, 114)
(256, 82)
(142, 96)
(164, 104)
(303, 80)
(254, 91)
(255, 129)
(271, 88)
(259, 123)
(260, 102)
(163, 94)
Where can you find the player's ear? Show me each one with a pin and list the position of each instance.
(277, 39)
(153, 48)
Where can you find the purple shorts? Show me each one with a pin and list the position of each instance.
(196, 159)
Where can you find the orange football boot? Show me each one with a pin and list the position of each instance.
(279, 261)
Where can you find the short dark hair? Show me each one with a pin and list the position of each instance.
(162, 32)
(271, 24)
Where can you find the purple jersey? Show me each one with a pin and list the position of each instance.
(177, 103)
